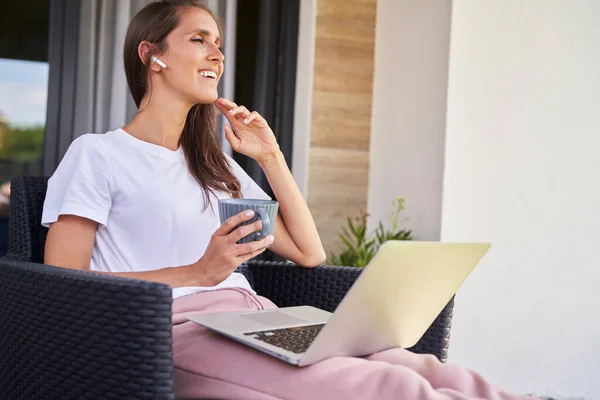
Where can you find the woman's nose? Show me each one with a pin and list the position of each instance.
(216, 55)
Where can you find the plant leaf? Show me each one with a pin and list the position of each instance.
(351, 225)
(347, 243)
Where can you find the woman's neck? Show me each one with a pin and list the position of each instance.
(159, 122)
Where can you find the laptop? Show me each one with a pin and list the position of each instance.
(391, 304)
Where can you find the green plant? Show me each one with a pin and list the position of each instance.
(361, 247)
(21, 143)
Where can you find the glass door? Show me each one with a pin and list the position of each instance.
(23, 96)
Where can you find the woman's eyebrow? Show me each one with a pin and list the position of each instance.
(206, 33)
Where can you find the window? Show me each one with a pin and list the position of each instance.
(23, 95)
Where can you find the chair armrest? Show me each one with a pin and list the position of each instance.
(77, 334)
(288, 284)
(436, 339)
(324, 287)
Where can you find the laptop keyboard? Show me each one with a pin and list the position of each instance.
(296, 339)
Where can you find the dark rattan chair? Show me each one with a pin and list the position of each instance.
(68, 334)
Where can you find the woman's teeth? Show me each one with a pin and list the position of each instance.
(208, 74)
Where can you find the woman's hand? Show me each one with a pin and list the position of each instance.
(251, 134)
(223, 255)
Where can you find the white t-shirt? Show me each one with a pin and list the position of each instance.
(149, 208)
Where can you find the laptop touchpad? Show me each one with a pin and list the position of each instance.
(274, 318)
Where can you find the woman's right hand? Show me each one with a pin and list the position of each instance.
(223, 255)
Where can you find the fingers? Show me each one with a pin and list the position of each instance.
(253, 115)
(244, 231)
(238, 112)
(230, 223)
(251, 250)
(231, 137)
(246, 257)
(224, 104)
(247, 248)
(232, 110)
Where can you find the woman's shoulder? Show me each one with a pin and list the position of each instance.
(91, 141)
(237, 170)
(229, 159)
(91, 150)
(234, 164)
(250, 188)
(93, 144)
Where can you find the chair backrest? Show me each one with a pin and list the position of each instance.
(66, 333)
(27, 237)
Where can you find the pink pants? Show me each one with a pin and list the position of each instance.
(208, 365)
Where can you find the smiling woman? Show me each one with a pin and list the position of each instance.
(105, 214)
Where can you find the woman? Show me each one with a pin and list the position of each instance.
(140, 202)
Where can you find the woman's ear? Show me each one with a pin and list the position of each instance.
(145, 49)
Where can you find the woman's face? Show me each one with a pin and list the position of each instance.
(193, 58)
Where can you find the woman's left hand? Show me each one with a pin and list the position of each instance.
(249, 133)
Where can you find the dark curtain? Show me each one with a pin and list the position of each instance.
(62, 60)
(267, 44)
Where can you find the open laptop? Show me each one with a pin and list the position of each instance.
(391, 304)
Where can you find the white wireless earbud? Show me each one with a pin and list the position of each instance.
(157, 60)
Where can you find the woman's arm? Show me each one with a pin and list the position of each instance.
(296, 236)
(70, 243)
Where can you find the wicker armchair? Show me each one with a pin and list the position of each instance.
(72, 334)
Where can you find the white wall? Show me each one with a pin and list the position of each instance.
(522, 171)
(409, 110)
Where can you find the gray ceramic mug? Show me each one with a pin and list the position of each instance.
(265, 210)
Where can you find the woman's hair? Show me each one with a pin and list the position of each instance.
(203, 153)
